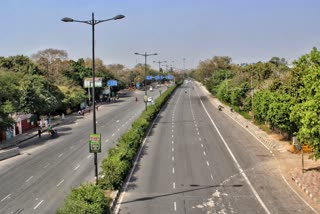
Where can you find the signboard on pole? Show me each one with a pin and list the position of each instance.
(148, 77)
(88, 82)
(157, 77)
(145, 98)
(112, 83)
(169, 77)
(95, 143)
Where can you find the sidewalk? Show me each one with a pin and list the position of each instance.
(16, 140)
(307, 182)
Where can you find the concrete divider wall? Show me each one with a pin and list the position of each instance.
(8, 153)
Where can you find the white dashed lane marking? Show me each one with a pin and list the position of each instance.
(60, 182)
(38, 205)
(8, 196)
(46, 165)
(174, 185)
(77, 167)
(29, 179)
(60, 155)
(208, 163)
(88, 156)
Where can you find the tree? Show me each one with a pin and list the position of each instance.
(278, 114)
(73, 96)
(306, 112)
(9, 97)
(51, 61)
(19, 64)
(277, 61)
(38, 96)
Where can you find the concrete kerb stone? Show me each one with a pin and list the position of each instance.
(8, 153)
(304, 189)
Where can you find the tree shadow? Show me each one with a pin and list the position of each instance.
(198, 187)
(317, 168)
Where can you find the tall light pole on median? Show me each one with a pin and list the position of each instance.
(159, 62)
(145, 72)
(93, 22)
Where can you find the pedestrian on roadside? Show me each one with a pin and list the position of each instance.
(39, 132)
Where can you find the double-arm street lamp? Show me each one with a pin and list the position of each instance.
(159, 62)
(145, 72)
(93, 22)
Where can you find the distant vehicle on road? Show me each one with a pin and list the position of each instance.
(151, 89)
(150, 99)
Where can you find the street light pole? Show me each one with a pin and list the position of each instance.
(145, 72)
(159, 62)
(93, 22)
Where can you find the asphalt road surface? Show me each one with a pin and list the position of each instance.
(198, 160)
(39, 180)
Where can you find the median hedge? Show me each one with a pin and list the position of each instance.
(88, 198)
(115, 167)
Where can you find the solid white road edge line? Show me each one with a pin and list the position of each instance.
(235, 160)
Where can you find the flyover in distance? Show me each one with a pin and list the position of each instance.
(198, 160)
(39, 180)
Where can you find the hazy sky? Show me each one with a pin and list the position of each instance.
(246, 30)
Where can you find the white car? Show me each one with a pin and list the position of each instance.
(150, 99)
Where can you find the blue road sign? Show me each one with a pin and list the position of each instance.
(112, 83)
(169, 77)
(161, 77)
(157, 77)
(148, 77)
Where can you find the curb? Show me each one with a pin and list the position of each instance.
(305, 190)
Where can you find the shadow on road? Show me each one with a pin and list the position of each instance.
(201, 187)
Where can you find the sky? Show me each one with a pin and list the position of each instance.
(246, 30)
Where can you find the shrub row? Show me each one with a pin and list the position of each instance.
(90, 198)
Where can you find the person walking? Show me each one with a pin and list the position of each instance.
(39, 132)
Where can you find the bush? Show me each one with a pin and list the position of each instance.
(88, 198)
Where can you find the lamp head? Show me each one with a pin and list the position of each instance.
(67, 19)
(118, 17)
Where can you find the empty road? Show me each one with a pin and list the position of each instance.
(198, 160)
